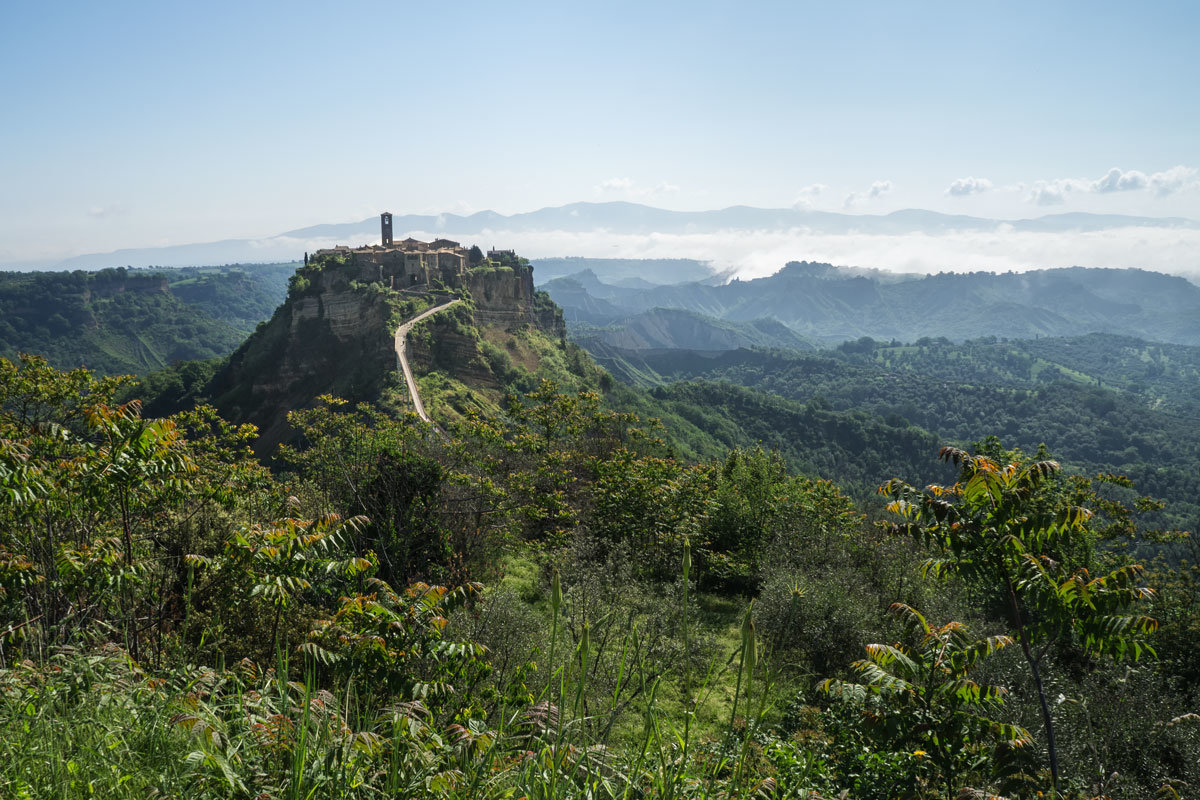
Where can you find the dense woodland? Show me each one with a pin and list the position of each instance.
(1101, 403)
(597, 590)
(135, 321)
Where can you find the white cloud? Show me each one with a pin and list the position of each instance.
(110, 210)
(629, 188)
(1053, 193)
(879, 188)
(615, 185)
(1048, 193)
(1175, 179)
(964, 187)
(806, 197)
(1117, 181)
(875, 190)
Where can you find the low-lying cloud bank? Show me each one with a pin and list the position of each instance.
(751, 254)
(912, 241)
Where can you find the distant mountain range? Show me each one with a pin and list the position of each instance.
(612, 217)
(825, 304)
(636, 218)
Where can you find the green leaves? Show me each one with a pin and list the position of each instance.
(396, 641)
(1019, 538)
(924, 697)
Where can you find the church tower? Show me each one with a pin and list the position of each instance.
(385, 222)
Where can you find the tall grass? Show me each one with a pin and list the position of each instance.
(96, 726)
(88, 726)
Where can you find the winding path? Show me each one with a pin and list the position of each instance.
(402, 356)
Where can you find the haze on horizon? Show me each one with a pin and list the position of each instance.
(141, 125)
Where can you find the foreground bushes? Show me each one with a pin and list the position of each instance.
(548, 605)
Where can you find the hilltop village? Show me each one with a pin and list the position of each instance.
(411, 263)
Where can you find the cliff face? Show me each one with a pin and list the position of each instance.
(503, 295)
(333, 341)
(349, 316)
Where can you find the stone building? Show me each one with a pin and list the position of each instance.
(406, 263)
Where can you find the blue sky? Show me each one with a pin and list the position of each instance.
(137, 124)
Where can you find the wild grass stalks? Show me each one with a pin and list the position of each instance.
(97, 726)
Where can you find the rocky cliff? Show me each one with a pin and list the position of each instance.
(324, 342)
(505, 296)
(334, 335)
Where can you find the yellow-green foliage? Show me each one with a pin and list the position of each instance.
(175, 620)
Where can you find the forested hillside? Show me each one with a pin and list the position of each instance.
(672, 329)
(832, 304)
(1101, 403)
(134, 321)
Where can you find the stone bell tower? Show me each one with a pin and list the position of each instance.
(385, 222)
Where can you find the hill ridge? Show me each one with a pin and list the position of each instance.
(831, 304)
